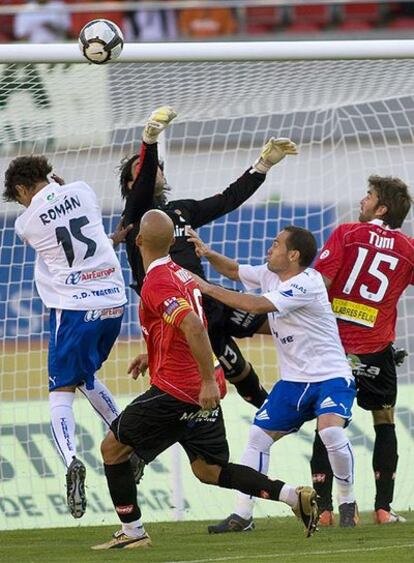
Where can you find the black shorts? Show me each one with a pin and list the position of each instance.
(154, 421)
(376, 380)
(225, 323)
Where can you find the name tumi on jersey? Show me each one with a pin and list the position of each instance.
(69, 204)
(381, 242)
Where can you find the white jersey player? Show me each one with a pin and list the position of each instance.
(315, 378)
(79, 278)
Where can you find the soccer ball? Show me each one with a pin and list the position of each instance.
(101, 41)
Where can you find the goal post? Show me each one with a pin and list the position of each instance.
(350, 108)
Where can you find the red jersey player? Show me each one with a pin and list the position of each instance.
(168, 296)
(183, 402)
(366, 267)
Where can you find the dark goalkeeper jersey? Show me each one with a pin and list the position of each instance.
(185, 213)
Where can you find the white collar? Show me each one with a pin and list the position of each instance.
(381, 223)
(159, 262)
(41, 192)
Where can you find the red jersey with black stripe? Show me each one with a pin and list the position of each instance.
(370, 266)
(168, 295)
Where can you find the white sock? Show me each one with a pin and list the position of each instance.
(63, 423)
(342, 461)
(256, 455)
(288, 495)
(102, 401)
(133, 529)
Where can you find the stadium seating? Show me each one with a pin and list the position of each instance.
(6, 21)
(309, 18)
(79, 19)
(361, 17)
(263, 19)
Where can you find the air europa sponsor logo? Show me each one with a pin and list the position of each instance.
(76, 277)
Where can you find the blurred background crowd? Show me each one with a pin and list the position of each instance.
(45, 21)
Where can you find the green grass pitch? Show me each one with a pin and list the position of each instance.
(274, 539)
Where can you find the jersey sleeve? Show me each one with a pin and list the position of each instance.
(19, 229)
(292, 295)
(170, 302)
(251, 276)
(331, 256)
(203, 211)
(141, 197)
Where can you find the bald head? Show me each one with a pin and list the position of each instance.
(156, 232)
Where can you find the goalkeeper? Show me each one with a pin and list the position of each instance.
(143, 186)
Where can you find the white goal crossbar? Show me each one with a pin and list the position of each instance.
(218, 51)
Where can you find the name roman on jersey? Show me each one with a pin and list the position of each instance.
(61, 209)
(380, 242)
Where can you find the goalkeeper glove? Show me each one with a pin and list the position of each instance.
(399, 355)
(157, 122)
(273, 152)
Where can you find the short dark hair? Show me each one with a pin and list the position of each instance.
(302, 240)
(26, 171)
(394, 194)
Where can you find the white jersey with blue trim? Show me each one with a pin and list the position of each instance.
(76, 266)
(304, 328)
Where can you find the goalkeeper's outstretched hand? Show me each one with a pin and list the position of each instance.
(157, 122)
(399, 355)
(273, 152)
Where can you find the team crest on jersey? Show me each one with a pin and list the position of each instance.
(324, 254)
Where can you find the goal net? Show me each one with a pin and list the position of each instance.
(350, 118)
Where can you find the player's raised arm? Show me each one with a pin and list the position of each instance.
(140, 174)
(206, 210)
(223, 265)
(244, 301)
(197, 337)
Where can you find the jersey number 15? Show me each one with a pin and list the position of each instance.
(63, 236)
(379, 258)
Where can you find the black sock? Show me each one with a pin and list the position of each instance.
(249, 481)
(322, 474)
(384, 464)
(251, 389)
(123, 491)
